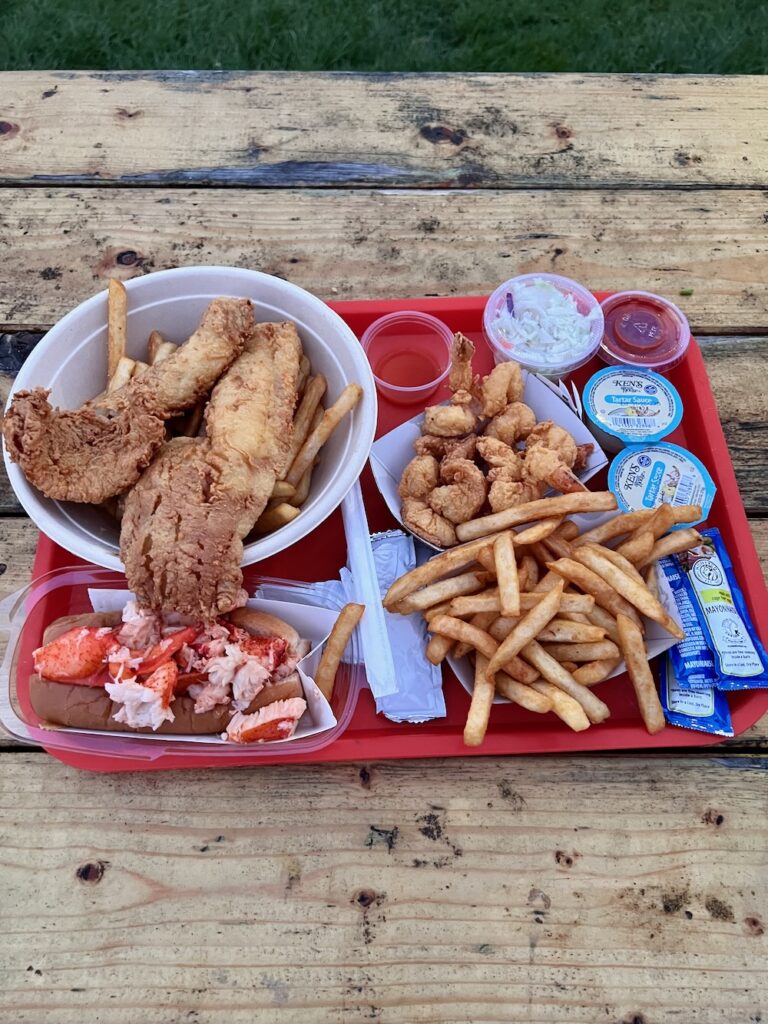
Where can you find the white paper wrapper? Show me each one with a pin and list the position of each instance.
(311, 623)
(657, 639)
(392, 453)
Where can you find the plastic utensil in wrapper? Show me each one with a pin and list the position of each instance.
(741, 662)
(420, 694)
(689, 708)
(646, 476)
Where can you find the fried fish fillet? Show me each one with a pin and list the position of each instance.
(93, 453)
(184, 522)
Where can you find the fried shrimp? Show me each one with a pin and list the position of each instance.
(503, 385)
(420, 476)
(427, 524)
(463, 494)
(504, 494)
(461, 380)
(506, 463)
(512, 424)
(449, 420)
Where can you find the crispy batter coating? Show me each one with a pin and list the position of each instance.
(93, 453)
(185, 520)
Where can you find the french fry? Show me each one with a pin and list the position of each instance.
(652, 578)
(527, 629)
(516, 668)
(687, 513)
(303, 375)
(482, 620)
(597, 650)
(537, 533)
(506, 574)
(117, 326)
(282, 490)
(332, 417)
(594, 671)
(305, 416)
(122, 374)
(529, 567)
(566, 708)
(436, 568)
(595, 709)
(569, 666)
(457, 629)
(480, 708)
(532, 511)
(154, 341)
(565, 631)
(636, 593)
(275, 516)
(164, 349)
(623, 523)
(571, 603)
(662, 519)
(472, 604)
(618, 560)
(522, 694)
(547, 582)
(438, 648)
(680, 540)
(303, 486)
(592, 583)
(442, 590)
(558, 546)
(568, 530)
(540, 553)
(443, 608)
(139, 368)
(600, 617)
(636, 659)
(335, 645)
(637, 548)
(502, 626)
(486, 559)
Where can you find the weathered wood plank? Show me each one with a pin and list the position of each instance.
(538, 890)
(481, 130)
(61, 246)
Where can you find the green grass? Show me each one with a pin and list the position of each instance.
(708, 36)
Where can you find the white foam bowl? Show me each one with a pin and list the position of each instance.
(72, 361)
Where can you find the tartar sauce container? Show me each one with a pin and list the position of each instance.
(625, 405)
(547, 323)
(643, 330)
(646, 476)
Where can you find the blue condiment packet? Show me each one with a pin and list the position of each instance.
(692, 659)
(740, 660)
(689, 708)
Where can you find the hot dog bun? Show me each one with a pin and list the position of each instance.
(89, 707)
(263, 624)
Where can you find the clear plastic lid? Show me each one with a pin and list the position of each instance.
(642, 329)
(547, 323)
(24, 616)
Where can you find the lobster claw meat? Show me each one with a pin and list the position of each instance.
(76, 656)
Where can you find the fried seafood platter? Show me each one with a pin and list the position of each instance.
(483, 452)
(195, 449)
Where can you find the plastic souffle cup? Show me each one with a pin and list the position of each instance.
(549, 324)
(410, 355)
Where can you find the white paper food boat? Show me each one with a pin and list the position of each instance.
(392, 452)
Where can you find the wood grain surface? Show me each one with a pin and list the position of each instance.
(538, 890)
(384, 244)
(481, 130)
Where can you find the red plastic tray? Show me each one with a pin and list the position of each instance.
(512, 730)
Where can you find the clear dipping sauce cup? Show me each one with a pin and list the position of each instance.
(410, 355)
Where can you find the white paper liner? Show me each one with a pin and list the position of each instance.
(392, 452)
(311, 623)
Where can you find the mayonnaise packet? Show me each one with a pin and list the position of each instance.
(740, 659)
(692, 660)
(705, 710)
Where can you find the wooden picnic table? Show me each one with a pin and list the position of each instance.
(626, 889)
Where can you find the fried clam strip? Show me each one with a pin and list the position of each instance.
(93, 453)
(185, 520)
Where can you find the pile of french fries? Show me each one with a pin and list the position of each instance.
(549, 611)
(312, 424)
